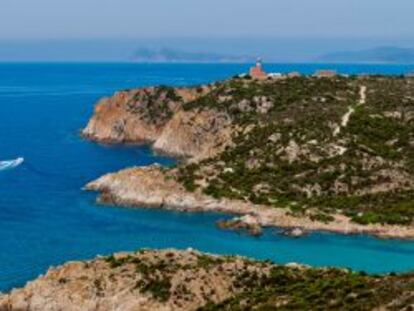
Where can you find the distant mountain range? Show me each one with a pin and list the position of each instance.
(375, 55)
(379, 55)
(211, 50)
(177, 56)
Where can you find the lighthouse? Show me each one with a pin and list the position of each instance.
(259, 63)
(257, 72)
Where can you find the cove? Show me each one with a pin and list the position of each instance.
(46, 220)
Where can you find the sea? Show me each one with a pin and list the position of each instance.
(46, 219)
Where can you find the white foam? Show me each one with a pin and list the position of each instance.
(9, 164)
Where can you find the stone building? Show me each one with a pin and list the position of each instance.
(325, 73)
(294, 74)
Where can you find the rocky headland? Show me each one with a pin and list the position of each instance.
(155, 116)
(313, 153)
(188, 280)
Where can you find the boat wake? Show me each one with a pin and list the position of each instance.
(10, 164)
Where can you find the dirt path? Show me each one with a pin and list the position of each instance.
(346, 117)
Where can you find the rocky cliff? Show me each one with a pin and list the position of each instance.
(329, 152)
(155, 116)
(173, 280)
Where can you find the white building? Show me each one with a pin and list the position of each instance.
(275, 75)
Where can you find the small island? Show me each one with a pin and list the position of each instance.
(322, 152)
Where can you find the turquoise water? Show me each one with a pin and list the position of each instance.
(45, 219)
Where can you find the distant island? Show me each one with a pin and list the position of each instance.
(166, 55)
(375, 55)
(385, 54)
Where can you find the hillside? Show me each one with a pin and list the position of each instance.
(318, 153)
(188, 280)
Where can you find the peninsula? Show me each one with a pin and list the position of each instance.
(323, 152)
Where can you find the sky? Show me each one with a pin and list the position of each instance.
(23, 19)
(42, 21)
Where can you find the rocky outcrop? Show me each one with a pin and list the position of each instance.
(155, 116)
(195, 134)
(152, 186)
(147, 280)
(171, 280)
(114, 121)
(155, 187)
(245, 223)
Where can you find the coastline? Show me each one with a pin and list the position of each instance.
(188, 280)
(242, 211)
(167, 120)
(164, 280)
(150, 187)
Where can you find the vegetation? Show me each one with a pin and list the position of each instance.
(156, 273)
(317, 289)
(285, 152)
(155, 105)
(155, 277)
(257, 285)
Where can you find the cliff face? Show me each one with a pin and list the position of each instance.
(196, 134)
(116, 121)
(155, 115)
(173, 280)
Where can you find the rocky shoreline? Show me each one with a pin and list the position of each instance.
(166, 119)
(154, 187)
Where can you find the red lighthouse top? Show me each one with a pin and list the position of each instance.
(257, 72)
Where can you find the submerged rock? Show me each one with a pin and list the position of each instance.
(244, 223)
(294, 232)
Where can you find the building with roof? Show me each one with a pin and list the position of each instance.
(325, 73)
(294, 74)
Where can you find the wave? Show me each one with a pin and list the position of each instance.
(10, 164)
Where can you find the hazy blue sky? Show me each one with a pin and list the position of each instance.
(22, 19)
(285, 30)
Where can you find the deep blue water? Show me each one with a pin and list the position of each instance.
(45, 218)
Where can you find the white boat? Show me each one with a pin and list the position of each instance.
(9, 164)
